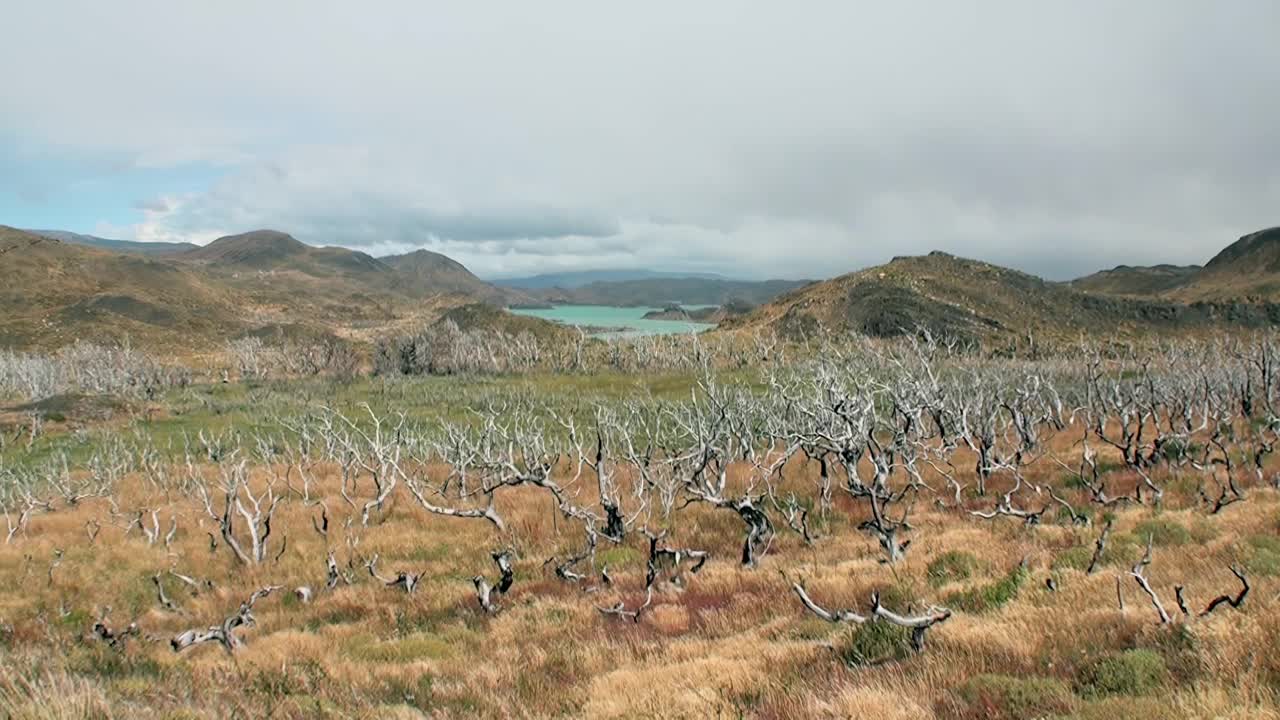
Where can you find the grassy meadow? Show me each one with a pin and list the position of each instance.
(1031, 634)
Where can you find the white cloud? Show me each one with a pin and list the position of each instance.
(800, 139)
(156, 225)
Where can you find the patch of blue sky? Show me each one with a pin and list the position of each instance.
(59, 188)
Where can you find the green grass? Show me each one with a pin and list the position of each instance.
(876, 642)
(249, 409)
(1004, 697)
(951, 566)
(1132, 672)
(1162, 533)
(986, 598)
(1075, 558)
(420, 646)
(1264, 555)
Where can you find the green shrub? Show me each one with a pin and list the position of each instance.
(617, 557)
(1002, 697)
(1162, 533)
(1076, 558)
(952, 566)
(1178, 646)
(419, 693)
(876, 642)
(1264, 555)
(1132, 672)
(1177, 449)
(1072, 482)
(986, 598)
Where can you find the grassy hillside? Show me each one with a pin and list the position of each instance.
(426, 272)
(976, 300)
(55, 293)
(145, 248)
(1247, 269)
(1139, 281)
(1033, 630)
(191, 302)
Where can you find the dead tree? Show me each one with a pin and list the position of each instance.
(918, 624)
(1005, 506)
(377, 451)
(408, 581)
(1099, 547)
(224, 634)
(661, 559)
(256, 510)
(485, 591)
(1139, 575)
(116, 639)
(164, 600)
(195, 585)
(1236, 601)
(718, 426)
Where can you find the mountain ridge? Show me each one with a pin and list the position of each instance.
(1247, 270)
(572, 279)
(975, 300)
(248, 283)
(146, 248)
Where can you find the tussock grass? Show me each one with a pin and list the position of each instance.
(731, 642)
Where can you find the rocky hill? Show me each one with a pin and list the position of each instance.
(143, 248)
(1137, 281)
(261, 282)
(979, 301)
(425, 272)
(1248, 269)
(55, 293)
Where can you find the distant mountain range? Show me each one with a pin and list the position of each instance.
(1238, 288)
(663, 291)
(579, 278)
(145, 248)
(191, 299)
(1247, 270)
(194, 299)
(1142, 281)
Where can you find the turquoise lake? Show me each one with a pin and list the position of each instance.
(629, 320)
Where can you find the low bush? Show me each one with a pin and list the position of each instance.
(876, 642)
(1132, 672)
(952, 566)
(1162, 533)
(1002, 697)
(1264, 555)
(986, 598)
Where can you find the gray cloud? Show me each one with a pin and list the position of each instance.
(805, 140)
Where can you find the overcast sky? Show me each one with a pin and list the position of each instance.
(797, 139)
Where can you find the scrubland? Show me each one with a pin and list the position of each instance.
(969, 490)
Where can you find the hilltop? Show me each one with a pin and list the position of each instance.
(56, 292)
(423, 271)
(1136, 280)
(272, 250)
(145, 248)
(1247, 270)
(263, 282)
(975, 300)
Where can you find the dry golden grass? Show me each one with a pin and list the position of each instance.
(733, 643)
